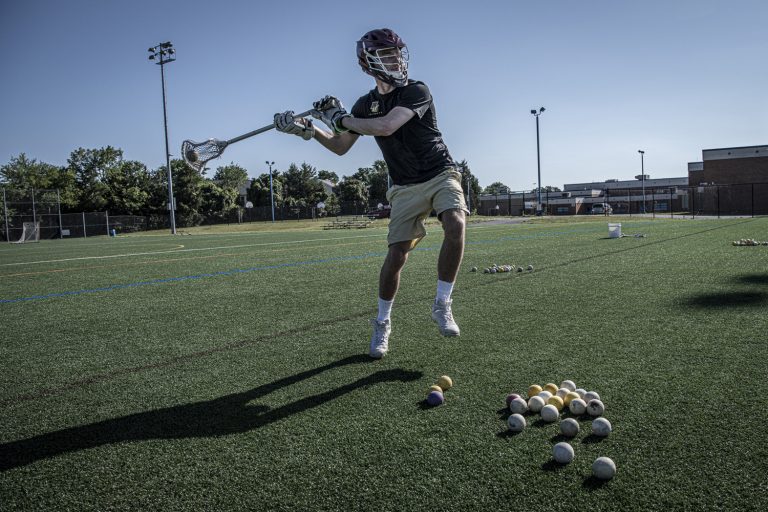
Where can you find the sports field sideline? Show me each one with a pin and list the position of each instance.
(228, 370)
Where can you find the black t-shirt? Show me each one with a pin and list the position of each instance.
(415, 153)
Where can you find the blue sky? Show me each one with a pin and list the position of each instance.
(669, 77)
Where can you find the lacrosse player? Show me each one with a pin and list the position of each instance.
(400, 114)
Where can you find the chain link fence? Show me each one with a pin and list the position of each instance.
(747, 199)
(44, 206)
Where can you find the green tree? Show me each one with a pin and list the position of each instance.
(471, 181)
(328, 175)
(496, 187)
(23, 175)
(90, 167)
(379, 182)
(217, 203)
(231, 176)
(128, 188)
(352, 190)
(302, 186)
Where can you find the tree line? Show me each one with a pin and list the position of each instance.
(103, 180)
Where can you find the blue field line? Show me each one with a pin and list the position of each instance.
(272, 267)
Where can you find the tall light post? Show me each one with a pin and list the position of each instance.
(271, 190)
(469, 196)
(538, 159)
(642, 174)
(164, 53)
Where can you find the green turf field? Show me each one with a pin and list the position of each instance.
(228, 370)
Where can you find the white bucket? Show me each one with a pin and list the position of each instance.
(614, 230)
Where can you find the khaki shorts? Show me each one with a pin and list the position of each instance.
(412, 204)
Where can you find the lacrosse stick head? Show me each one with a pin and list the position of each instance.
(197, 154)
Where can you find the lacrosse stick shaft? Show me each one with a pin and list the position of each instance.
(262, 130)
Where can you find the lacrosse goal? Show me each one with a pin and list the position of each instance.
(30, 233)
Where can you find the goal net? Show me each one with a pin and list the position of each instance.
(30, 233)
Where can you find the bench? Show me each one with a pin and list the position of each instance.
(349, 222)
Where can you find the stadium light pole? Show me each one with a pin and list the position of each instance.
(271, 190)
(642, 173)
(164, 53)
(538, 159)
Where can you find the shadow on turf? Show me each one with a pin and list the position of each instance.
(727, 300)
(592, 482)
(761, 279)
(230, 414)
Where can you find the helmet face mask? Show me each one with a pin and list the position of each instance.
(382, 54)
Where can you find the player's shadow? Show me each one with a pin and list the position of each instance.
(758, 279)
(727, 300)
(230, 414)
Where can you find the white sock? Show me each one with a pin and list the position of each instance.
(385, 309)
(444, 291)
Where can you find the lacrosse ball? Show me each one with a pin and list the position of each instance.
(562, 392)
(534, 390)
(590, 395)
(581, 392)
(535, 403)
(445, 382)
(569, 385)
(570, 397)
(603, 468)
(545, 395)
(191, 155)
(557, 402)
(577, 406)
(511, 397)
(562, 453)
(474, 269)
(518, 406)
(601, 427)
(516, 423)
(552, 388)
(549, 413)
(569, 427)
(435, 398)
(595, 408)
(436, 388)
(530, 268)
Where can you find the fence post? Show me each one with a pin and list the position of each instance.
(106, 214)
(5, 209)
(671, 208)
(61, 226)
(693, 202)
(85, 229)
(34, 212)
(752, 203)
(718, 201)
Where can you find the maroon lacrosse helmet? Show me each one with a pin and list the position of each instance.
(382, 54)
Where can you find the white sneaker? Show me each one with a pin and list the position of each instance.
(441, 313)
(380, 338)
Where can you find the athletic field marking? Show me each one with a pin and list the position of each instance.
(192, 277)
(180, 250)
(265, 267)
(163, 261)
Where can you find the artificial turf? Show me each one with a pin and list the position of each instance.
(227, 370)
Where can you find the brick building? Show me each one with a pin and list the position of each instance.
(730, 181)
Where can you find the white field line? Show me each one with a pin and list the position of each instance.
(180, 249)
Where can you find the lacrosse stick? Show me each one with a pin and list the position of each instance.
(197, 154)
